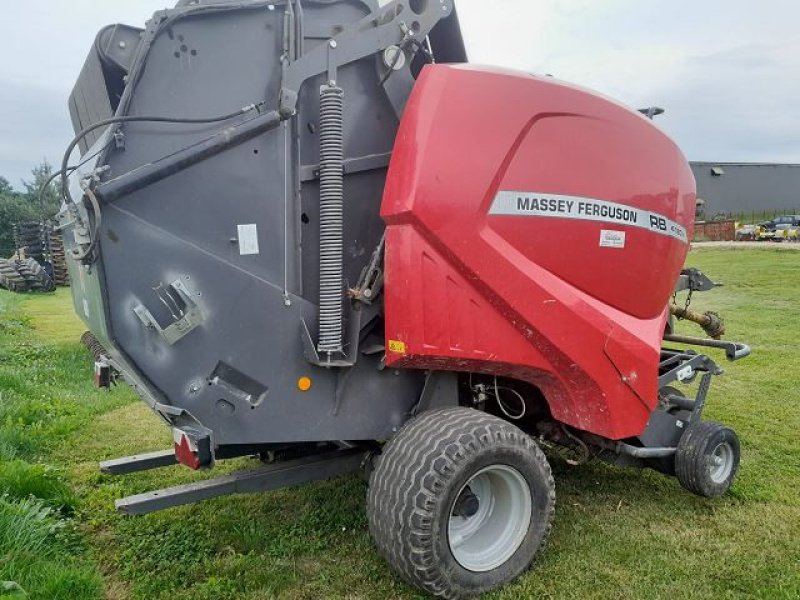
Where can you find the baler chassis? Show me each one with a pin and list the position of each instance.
(675, 412)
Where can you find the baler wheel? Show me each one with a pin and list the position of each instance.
(460, 502)
(10, 279)
(707, 458)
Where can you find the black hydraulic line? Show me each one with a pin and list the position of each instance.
(139, 119)
(162, 168)
(70, 170)
(47, 183)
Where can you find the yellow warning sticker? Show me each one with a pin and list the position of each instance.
(397, 347)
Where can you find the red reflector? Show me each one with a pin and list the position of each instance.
(184, 454)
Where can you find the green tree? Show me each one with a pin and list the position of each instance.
(13, 209)
(47, 202)
(16, 207)
(5, 188)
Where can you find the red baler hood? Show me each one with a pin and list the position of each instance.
(535, 230)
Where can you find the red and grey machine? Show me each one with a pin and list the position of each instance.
(311, 232)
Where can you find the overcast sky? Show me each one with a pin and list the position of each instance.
(727, 71)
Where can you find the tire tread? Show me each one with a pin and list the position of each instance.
(35, 276)
(691, 455)
(415, 467)
(10, 278)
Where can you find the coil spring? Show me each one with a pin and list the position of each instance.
(331, 219)
(91, 343)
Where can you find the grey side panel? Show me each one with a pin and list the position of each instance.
(207, 278)
(186, 228)
(89, 101)
(99, 88)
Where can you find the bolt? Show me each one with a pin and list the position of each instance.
(333, 44)
(123, 45)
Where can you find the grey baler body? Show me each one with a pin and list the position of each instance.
(205, 289)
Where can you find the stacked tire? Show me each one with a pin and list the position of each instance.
(35, 276)
(25, 276)
(10, 279)
(39, 241)
(30, 238)
(58, 259)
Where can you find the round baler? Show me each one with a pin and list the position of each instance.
(309, 231)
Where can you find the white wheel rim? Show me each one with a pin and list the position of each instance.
(490, 537)
(721, 463)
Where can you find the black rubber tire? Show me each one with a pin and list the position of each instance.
(696, 448)
(10, 279)
(415, 484)
(36, 277)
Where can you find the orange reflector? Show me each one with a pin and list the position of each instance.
(304, 384)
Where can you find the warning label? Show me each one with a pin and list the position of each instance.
(532, 204)
(248, 239)
(397, 347)
(612, 239)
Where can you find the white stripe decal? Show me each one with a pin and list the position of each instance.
(533, 204)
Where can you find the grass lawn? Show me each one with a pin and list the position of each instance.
(619, 534)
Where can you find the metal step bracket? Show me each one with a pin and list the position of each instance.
(182, 307)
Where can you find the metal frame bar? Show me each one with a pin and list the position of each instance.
(357, 164)
(691, 362)
(393, 24)
(694, 280)
(733, 350)
(139, 462)
(267, 478)
(700, 399)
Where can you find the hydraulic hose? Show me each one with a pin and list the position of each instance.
(138, 119)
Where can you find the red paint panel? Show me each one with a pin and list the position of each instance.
(532, 297)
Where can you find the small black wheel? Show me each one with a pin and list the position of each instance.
(707, 458)
(460, 502)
